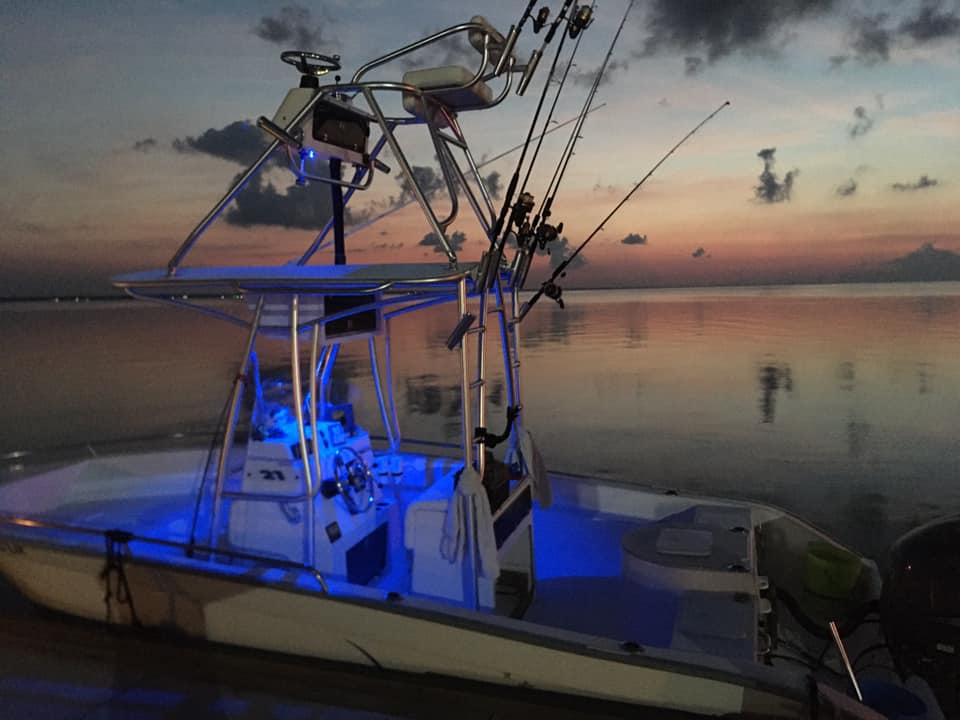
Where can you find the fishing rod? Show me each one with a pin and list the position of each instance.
(549, 286)
(541, 235)
(524, 205)
(386, 213)
(511, 41)
(556, 98)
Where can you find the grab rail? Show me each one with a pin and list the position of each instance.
(186, 547)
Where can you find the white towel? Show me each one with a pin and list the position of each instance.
(454, 540)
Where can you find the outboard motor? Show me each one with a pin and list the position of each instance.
(920, 608)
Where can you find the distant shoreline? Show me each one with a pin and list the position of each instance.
(71, 300)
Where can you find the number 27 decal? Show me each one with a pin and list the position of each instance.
(272, 475)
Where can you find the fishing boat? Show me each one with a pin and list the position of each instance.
(307, 530)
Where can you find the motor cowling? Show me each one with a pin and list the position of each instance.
(920, 608)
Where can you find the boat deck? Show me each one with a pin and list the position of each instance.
(580, 581)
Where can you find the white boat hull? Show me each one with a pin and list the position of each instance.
(408, 636)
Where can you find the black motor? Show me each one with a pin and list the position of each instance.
(920, 608)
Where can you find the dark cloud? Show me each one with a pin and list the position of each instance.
(293, 26)
(770, 189)
(930, 24)
(456, 241)
(559, 250)
(698, 253)
(922, 184)
(862, 122)
(634, 239)
(426, 177)
(145, 145)
(874, 37)
(239, 142)
(260, 203)
(587, 77)
(494, 184)
(693, 65)
(838, 61)
(715, 30)
(847, 189)
(870, 39)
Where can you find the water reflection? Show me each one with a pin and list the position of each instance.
(847, 375)
(858, 435)
(879, 391)
(773, 377)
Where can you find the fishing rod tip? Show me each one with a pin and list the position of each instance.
(726, 103)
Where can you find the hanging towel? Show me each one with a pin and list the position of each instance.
(454, 540)
(534, 467)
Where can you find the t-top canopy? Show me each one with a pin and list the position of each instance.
(298, 279)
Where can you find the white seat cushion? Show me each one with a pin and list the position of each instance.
(497, 40)
(457, 98)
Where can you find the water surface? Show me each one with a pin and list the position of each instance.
(837, 402)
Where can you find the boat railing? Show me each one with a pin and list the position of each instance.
(190, 550)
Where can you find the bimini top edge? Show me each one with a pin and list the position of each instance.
(295, 279)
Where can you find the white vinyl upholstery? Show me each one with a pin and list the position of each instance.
(445, 85)
(496, 43)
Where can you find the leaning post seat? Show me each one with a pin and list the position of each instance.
(449, 86)
(452, 86)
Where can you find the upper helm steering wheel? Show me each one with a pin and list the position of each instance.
(301, 60)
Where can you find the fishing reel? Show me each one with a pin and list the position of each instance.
(554, 292)
(521, 209)
(543, 15)
(546, 234)
(581, 20)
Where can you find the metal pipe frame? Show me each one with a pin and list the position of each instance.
(375, 371)
(408, 174)
(310, 539)
(388, 368)
(357, 176)
(231, 427)
(322, 93)
(443, 157)
(314, 435)
(512, 399)
(201, 227)
(429, 40)
(467, 411)
(326, 373)
(475, 171)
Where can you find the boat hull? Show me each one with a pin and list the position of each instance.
(407, 635)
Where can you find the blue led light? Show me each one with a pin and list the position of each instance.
(311, 154)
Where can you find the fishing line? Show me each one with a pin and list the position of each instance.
(561, 169)
(549, 287)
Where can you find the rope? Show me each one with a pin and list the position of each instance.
(117, 548)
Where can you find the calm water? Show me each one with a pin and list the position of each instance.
(839, 403)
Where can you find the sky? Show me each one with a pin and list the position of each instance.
(121, 124)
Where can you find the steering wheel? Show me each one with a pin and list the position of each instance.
(300, 59)
(354, 480)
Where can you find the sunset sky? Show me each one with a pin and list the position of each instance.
(836, 161)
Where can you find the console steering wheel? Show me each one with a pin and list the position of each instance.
(301, 60)
(354, 480)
